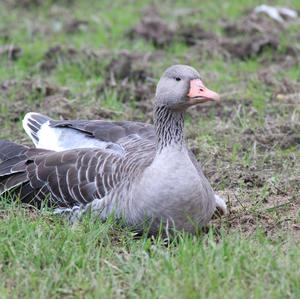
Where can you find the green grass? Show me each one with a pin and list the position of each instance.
(252, 253)
(44, 257)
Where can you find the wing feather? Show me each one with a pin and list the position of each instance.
(66, 179)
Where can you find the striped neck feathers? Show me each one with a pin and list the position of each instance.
(168, 125)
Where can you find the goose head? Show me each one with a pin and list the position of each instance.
(181, 87)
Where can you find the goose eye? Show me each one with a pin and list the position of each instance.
(177, 79)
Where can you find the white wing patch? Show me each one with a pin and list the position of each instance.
(38, 127)
(28, 131)
(60, 139)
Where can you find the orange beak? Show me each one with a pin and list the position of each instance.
(198, 93)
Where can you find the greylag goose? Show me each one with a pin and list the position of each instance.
(138, 172)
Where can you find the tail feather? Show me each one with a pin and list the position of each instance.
(32, 123)
(12, 155)
(14, 173)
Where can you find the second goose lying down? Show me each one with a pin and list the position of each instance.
(139, 172)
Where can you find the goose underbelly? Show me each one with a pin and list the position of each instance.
(171, 189)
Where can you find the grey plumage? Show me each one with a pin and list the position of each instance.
(137, 171)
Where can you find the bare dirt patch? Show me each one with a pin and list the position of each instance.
(192, 34)
(129, 76)
(276, 216)
(10, 52)
(282, 89)
(19, 97)
(252, 24)
(273, 134)
(239, 48)
(76, 25)
(248, 37)
(153, 28)
(26, 95)
(60, 54)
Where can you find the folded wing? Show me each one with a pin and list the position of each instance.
(66, 179)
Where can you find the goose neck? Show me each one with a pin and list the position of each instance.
(168, 125)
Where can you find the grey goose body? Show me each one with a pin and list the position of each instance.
(139, 172)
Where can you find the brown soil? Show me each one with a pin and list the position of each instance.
(129, 75)
(252, 24)
(24, 94)
(75, 25)
(67, 54)
(248, 37)
(153, 28)
(192, 34)
(10, 52)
